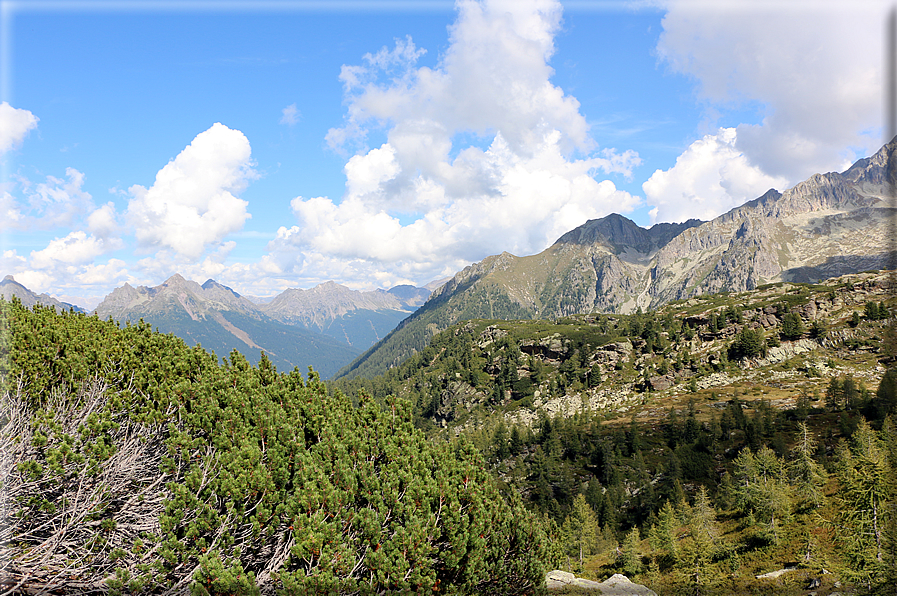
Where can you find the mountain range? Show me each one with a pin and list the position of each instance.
(324, 327)
(10, 288)
(829, 225)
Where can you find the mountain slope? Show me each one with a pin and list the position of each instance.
(221, 320)
(9, 287)
(360, 319)
(828, 225)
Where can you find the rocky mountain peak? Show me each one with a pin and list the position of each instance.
(618, 234)
(10, 288)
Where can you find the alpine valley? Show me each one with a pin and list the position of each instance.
(705, 407)
(324, 327)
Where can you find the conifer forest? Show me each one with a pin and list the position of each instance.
(695, 449)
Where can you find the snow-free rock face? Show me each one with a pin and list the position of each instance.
(323, 303)
(198, 301)
(829, 225)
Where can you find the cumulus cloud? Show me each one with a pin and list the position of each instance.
(290, 115)
(103, 221)
(711, 177)
(192, 204)
(15, 124)
(76, 248)
(56, 202)
(814, 73)
(482, 154)
(93, 278)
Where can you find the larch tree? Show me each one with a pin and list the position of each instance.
(580, 529)
(865, 505)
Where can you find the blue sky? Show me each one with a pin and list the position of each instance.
(283, 144)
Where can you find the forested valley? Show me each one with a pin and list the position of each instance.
(692, 448)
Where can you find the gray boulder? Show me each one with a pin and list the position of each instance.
(616, 585)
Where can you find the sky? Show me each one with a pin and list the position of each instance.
(280, 143)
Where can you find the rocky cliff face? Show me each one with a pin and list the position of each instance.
(198, 301)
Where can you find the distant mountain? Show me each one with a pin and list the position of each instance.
(9, 287)
(829, 225)
(221, 320)
(360, 319)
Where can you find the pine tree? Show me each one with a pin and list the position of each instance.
(885, 401)
(834, 395)
(666, 535)
(632, 553)
(792, 326)
(747, 344)
(704, 533)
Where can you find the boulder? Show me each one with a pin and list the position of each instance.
(558, 579)
(616, 585)
(619, 585)
(660, 383)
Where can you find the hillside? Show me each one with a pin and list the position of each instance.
(10, 288)
(695, 447)
(217, 318)
(525, 369)
(727, 444)
(360, 319)
(135, 464)
(828, 225)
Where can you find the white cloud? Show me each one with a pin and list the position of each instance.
(290, 115)
(532, 202)
(814, 71)
(102, 222)
(192, 204)
(76, 248)
(429, 200)
(15, 124)
(11, 262)
(53, 203)
(711, 177)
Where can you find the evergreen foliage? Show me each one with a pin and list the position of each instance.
(145, 465)
(792, 326)
(747, 344)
